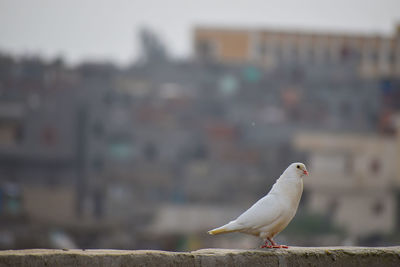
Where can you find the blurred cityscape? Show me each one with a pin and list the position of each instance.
(153, 155)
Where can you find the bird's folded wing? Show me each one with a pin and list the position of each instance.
(262, 213)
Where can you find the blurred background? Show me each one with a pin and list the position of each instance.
(135, 125)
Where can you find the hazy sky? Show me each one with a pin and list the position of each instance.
(107, 30)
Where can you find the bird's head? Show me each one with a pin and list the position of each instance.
(298, 168)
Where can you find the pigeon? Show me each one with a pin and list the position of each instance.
(272, 213)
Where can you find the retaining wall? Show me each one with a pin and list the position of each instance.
(294, 256)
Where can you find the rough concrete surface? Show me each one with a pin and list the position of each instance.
(294, 256)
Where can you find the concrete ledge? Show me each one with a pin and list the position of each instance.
(295, 256)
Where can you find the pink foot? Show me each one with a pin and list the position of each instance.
(266, 246)
(280, 246)
(275, 245)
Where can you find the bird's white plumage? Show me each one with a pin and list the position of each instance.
(263, 212)
(272, 213)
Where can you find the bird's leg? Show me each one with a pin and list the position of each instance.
(266, 245)
(275, 245)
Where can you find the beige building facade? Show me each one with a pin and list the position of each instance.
(372, 55)
(353, 180)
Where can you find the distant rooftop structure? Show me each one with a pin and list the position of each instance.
(371, 55)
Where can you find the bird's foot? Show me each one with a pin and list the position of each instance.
(266, 246)
(280, 246)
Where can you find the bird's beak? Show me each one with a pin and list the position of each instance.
(305, 172)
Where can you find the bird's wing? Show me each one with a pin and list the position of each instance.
(262, 213)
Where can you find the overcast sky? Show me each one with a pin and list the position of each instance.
(107, 29)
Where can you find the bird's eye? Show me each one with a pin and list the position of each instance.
(298, 166)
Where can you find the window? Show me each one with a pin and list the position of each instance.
(262, 49)
(378, 208)
(150, 151)
(49, 136)
(345, 53)
(375, 166)
(373, 55)
(333, 206)
(11, 133)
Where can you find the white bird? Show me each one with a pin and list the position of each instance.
(272, 213)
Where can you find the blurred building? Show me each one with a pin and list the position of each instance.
(116, 157)
(354, 180)
(370, 55)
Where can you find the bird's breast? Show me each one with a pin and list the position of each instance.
(290, 193)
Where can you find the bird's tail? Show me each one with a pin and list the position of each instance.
(227, 228)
